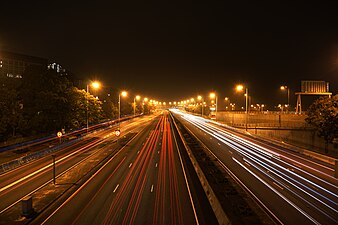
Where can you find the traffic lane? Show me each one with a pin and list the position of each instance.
(91, 203)
(318, 187)
(137, 204)
(40, 176)
(303, 193)
(303, 187)
(313, 165)
(161, 197)
(204, 211)
(84, 145)
(22, 171)
(268, 193)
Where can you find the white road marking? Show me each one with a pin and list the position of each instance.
(117, 186)
(152, 188)
(130, 165)
(156, 165)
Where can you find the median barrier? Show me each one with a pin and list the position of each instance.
(216, 206)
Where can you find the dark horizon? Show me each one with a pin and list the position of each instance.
(171, 51)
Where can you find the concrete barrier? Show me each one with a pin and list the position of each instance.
(216, 206)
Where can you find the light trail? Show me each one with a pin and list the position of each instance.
(282, 172)
(278, 193)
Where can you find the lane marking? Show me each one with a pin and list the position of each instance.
(84, 185)
(185, 175)
(158, 152)
(277, 185)
(130, 165)
(156, 165)
(218, 143)
(117, 186)
(48, 166)
(152, 188)
(138, 152)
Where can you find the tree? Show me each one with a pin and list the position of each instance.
(79, 102)
(11, 108)
(110, 109)
(323, 115)
(45, 95)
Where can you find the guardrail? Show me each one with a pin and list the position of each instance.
(36, 155)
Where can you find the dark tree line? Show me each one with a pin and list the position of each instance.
(43, 102)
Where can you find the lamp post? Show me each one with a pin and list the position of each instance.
(240, 88)
(95, 85)
(137, 97)
(201, 98)
(124, 94)
(288, 93)
(227, 101)
(145, 100)
(214, 96)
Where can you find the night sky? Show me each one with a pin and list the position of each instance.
(175, 50)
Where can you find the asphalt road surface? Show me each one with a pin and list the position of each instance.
(147, 182)
(293, 188)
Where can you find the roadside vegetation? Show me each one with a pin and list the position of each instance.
(43, 102)
(323, 116)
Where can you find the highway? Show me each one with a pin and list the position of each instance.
(292, 188)
(144, 182)
(27, 179)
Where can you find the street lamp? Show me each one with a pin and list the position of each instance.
(137, 97)
(227, 101)
(95, 85)
(214, 96)
(145, 100)
(200, 98)
(240, 88)
(283, 88)
(124, 94)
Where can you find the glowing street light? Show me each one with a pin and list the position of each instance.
(95, 85)
(200, 98)
(227, 101)
(240, 88)
(145, 100)
(124, 94)
(214, 96)
(283, 88)
(137, 97)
